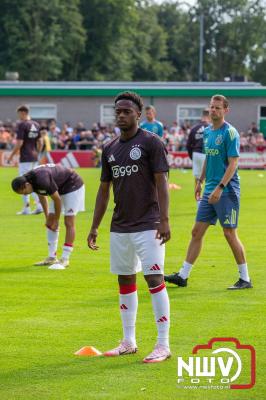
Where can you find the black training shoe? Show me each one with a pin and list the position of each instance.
(176, 279)
(241, 284)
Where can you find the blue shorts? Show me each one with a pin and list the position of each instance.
(227, 210)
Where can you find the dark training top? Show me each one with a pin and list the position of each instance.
(29, 132)
(131, 165)
(50, 178)
(195, 138)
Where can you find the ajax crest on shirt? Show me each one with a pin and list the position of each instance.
(135, 153)
(219, 140)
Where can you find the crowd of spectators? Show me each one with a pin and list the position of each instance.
(7, 135)
(176, 137)
(80, 137)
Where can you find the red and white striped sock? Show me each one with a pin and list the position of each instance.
(67, 250)
(128, 303)
(161, 309)
(52, 238)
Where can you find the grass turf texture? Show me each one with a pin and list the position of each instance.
(47, 315)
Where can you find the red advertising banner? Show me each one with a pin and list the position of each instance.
(85, 159)
(246, 160)
(70, 159)
(179, 159)
(252, 161)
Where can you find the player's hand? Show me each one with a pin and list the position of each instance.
(163, 232)
(198, 190)
(92, 237)
(215, 195)
(52, 223)
(53, 227)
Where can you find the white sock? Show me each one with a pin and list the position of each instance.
(37, 201)
(52, 238)
(128, 303)
(26, 200)
(161, 309)
(185, 270)
(243, 271)
(67, 250)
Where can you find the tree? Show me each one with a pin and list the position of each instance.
(149, 55)
(124, 41)
(232, 35)
(40, 39)
(132, 40)
(110, 26)
(182, 40)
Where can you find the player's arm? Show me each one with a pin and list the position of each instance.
(163, 232)
(44, 203)
(16, 149)
(52, 221)
(200, 181)
(229, 172)
(101, 203)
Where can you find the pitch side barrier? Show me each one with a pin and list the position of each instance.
(85, 159)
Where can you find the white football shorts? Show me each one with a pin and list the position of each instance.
(72, 203)
(24, 167)
(197, 163)
(133, 252)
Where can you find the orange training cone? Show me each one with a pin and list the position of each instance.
(88, 351)
(174, 186)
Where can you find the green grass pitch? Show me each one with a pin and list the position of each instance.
(47, 315)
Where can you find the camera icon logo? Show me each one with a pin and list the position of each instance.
(222, 363)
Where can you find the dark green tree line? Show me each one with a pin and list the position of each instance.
(132, 40)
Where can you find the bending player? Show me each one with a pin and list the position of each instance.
(66, 189)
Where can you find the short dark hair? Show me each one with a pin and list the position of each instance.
(220, 97)
(150, 107)
(19, 183)
(205, 112)
(134, 97)
(23, 108)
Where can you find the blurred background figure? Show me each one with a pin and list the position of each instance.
(195, 145)
(46, 144)
(28, 145)
(151, 124)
